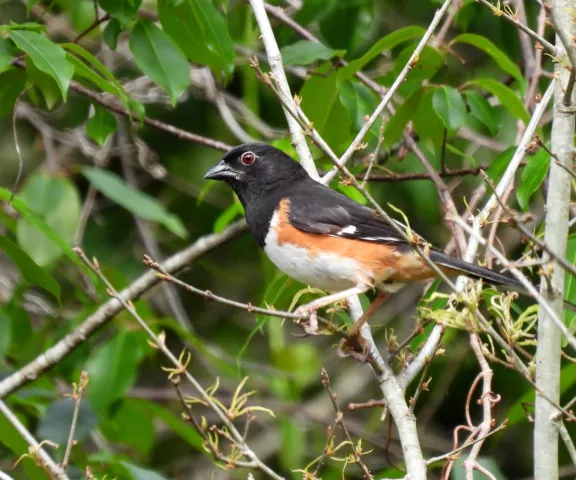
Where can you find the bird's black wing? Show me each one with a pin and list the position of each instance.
(318, 209)
(315, 208)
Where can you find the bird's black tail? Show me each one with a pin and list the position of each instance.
(486, 274)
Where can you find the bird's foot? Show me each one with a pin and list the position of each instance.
(355, 348)
(309, 324)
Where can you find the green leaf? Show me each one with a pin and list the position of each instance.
(5, 334)
(56, 422)
(111, 33)
(174, 423)
(351, 192)
(199, 30)
(111, 83)
(532, 177)
(100, 125)
(305, 52)
(492, 50)
(138, 203)
(39, 224)
(132, 425)
(482, 111)
(82, 70)
(55, 200)
(429, 62)
(12, 82)
(450, 107)
(320, 102)
(517, 412)
(46, 55)
(5, 54)
(30, 26)
(112, 370)
(227, 216)
(47, 85)
(111, 86)
(395, 127)
(357, 99)
(385, 43)
(31, 272)
(139, 473)
(123, 10)
(507, 97)
(569, 284)
(160, 58)
(293, 449)
(499, 164)
(426, 121)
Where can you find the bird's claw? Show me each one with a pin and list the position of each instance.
(310, 324)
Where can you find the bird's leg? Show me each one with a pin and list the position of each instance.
(311, 308)
(379, 300)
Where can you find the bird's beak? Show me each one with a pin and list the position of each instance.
(221, 171)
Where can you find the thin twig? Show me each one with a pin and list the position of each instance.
(97, 21)
(77, 399)
(16, 184)
(180, 368)
(112, 105)
(433, 460)
(275, 62)
(551, 49)
(110, 308)
(373, 157)
(393, 393)
(36, 449)
(533, 238)
(509, 174)
(357, 142)
(207, 294)
(525, 282)
(567, 439)
(403, 177)
(340, 421)
(487, 399)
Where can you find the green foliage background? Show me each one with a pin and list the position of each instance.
(130, 424)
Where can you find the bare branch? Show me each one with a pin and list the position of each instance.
(275, 62)
(237, 437)
(550, 324)
(509, 174)
(36, 449)
(356, 143)
(109, 309)
(393, 393)
(544, 303)
(510, 19)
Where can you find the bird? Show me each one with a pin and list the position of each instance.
(324, 239)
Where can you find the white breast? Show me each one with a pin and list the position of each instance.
(321, 270)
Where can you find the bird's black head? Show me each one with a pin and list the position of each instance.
(254, 169)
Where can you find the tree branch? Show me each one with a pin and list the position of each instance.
(355, 145)
(36, 450)
(109, 309)
(275, 62)
(551, 49)
(550, 324)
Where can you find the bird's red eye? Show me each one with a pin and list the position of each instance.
(248, 158)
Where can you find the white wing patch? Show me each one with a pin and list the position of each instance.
(382, 239)
(348, 230)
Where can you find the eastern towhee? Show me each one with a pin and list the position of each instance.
(321, 237)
